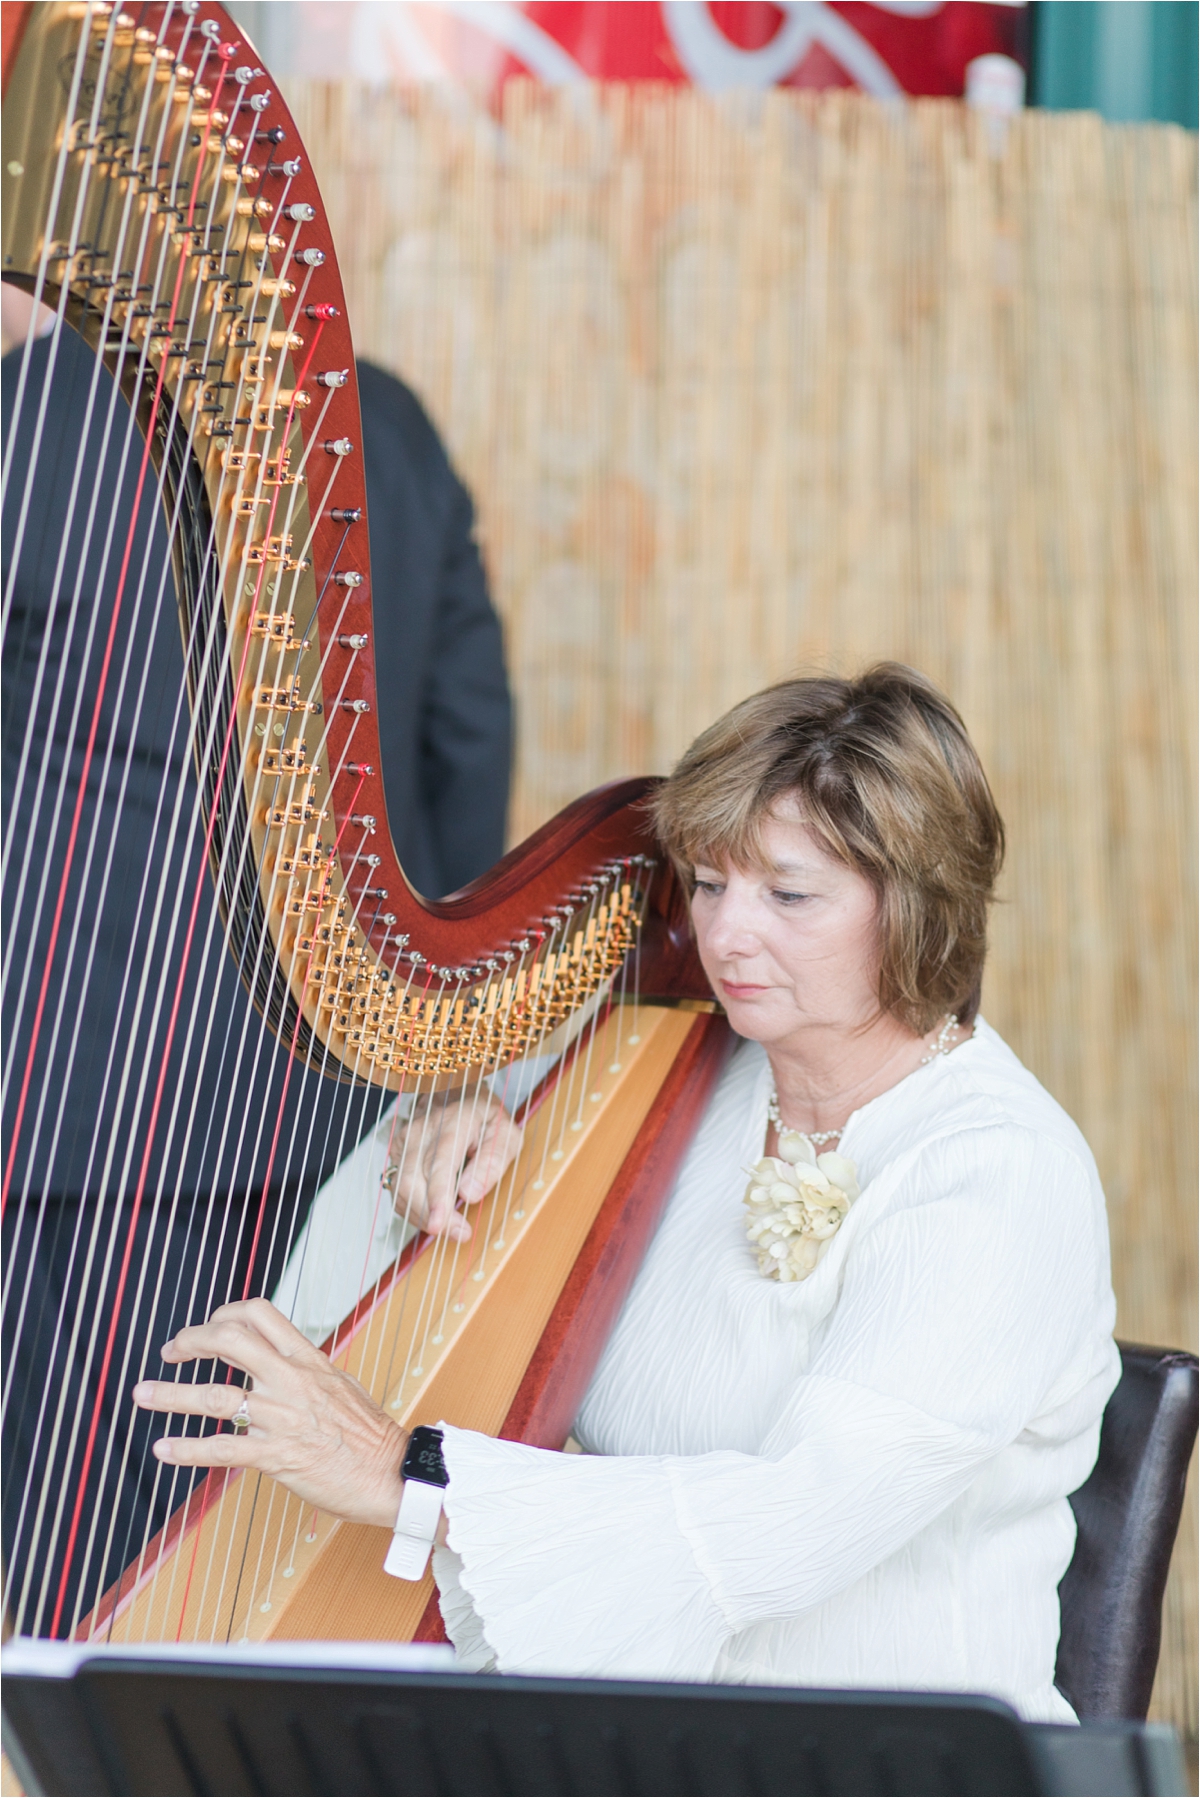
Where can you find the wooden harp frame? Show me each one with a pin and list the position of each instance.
(266, 462)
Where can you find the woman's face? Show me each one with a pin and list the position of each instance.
(791, 945)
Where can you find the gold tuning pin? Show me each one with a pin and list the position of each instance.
(304, 810)
(284, 699)
(291, 759)
(280, 626)
(312, 854)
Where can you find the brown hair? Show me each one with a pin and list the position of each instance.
(886, 777)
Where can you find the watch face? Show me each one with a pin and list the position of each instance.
(423, 1459)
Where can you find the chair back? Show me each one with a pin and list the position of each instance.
(1127, 1514)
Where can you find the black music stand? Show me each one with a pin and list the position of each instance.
(372, 1719)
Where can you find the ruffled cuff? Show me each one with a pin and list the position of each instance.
(572, 1565)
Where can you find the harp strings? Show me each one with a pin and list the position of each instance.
(458, 1017)
(33, 466)
(50, 241)
(275, 1049)
(125, 348)
(60, 170)
(213, 1584)
(215, 1581)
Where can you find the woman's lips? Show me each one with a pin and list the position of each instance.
(736, 989)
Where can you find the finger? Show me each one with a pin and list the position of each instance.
(235, 1342)
(189, 1401)
(444, 1220)
(262, 1317)
(443, 1192)
(411, 1191)
(209, 1451)
(462, 1125)
(410, 1199)
(498, 1147)
(206, 1342)
(428, 1184)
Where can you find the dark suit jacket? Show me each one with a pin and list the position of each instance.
(446, 745)
(445, 718)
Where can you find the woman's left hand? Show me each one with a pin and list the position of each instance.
(312, 1427)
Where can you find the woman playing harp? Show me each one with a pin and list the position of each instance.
(831, 1440)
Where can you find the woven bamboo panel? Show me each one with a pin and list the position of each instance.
(756, 386)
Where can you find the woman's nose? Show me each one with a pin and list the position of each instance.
(731, 932)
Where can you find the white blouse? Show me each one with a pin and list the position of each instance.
(859, 1479)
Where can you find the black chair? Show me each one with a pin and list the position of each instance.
(1128, 1515)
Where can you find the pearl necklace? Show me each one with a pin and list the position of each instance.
(941, 1046)
(812, 1136)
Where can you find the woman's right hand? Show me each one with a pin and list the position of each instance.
(450, 1149)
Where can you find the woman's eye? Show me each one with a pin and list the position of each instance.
(711, 887)
(788, 898)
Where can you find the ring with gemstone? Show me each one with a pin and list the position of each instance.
(241, 1418)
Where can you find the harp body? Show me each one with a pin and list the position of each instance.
(157, 198)
(513, 1359)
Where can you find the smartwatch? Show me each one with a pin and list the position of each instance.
(425, 1479)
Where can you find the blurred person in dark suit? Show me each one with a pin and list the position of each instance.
(446, 735)
(445, 716)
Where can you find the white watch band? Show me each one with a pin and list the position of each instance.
(416, 1526)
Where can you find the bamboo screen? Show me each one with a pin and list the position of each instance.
(750, 387)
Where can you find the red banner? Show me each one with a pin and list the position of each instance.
(904, 46)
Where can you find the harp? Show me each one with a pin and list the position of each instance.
(157, 200)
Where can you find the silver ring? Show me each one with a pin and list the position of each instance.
(241, 1418)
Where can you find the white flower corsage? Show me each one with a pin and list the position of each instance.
(797, 1201)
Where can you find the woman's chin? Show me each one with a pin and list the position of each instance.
(753, 1019)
